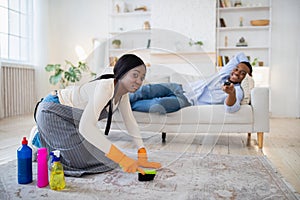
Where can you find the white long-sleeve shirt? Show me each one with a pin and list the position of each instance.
(209, 91)
(92, 97)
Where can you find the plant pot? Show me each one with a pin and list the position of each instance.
(116, 46)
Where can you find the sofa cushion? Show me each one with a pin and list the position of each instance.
(247, 85)
(204, 114)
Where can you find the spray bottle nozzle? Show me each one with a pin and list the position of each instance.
(55, 155)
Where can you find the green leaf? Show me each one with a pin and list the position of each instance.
(93, 74)
(58, 72)
(254, 62)
(68, 73)
(199, 43)
(63, 83)
(82, 66)
(54, 79)
(73, 74)
(191, 43)
(69, 63)
(52, 67)
(68, 76)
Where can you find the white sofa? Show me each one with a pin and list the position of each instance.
(253, 118)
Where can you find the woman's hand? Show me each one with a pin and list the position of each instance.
(143, 160)
(128, 165)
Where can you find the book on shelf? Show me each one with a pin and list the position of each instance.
(227, 3)
(224, 3)
(222, 22)
(225, 60)
(220, 63)
(222, 60)
(221, 3)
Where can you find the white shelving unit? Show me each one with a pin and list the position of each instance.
(258, 38)
(128, 25)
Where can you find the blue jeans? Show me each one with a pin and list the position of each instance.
(51, 98)
(36, 141)
(162, 98)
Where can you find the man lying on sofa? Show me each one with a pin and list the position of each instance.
(170, 97)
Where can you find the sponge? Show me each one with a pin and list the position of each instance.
(149, 175)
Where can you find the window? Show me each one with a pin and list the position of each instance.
(16, 30)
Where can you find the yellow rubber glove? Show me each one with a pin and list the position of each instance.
(128, 165)
(143, 160)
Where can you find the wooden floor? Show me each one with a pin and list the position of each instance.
(281, 144)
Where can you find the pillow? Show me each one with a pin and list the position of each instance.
(247, 84)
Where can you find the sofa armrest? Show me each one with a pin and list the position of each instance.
(260, 106)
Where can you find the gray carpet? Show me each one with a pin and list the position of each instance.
(186, 176)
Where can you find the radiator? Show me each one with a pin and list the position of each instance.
(17, 90)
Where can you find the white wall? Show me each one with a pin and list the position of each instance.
(194, 19)
(41, 39)
(285, 69)
(1, 102)
(175, 23)
(61, 25)
(76, 22)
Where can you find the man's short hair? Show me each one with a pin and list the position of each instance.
(249, 66)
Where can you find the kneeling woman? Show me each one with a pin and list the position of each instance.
(67, 121)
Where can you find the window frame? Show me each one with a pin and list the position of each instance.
(18, 29)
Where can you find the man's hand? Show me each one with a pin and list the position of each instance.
(230, 90)
(143, 160)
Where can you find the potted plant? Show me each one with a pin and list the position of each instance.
(191, 43)
(254, 62)
(116, 43)
(197, 44)
(67, 73)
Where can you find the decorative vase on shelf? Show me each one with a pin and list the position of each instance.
(116, 44)
(242, 42)
(147, 25)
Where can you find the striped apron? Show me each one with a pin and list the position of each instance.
(58, 126)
